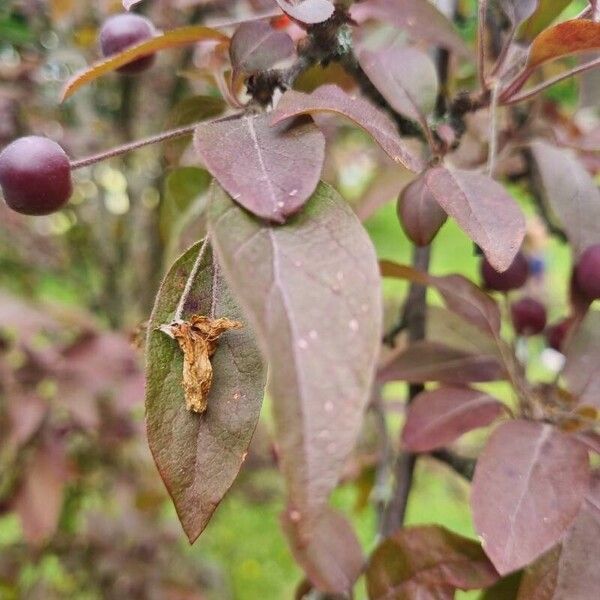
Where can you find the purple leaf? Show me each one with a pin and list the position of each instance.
(429, 563)
(449, 328)
(421, 20)
(270, 171)
(460, 294)
(425, 361)
(307, 11)
(570, 193)
(420, 215)
(483, 209)
(582, 368)
(436, 419)
(331, 555)
(311, 290)
(528, 487)
(199, 456)
(331, 98)
(569, 571)
(406, 78)
(256, 46)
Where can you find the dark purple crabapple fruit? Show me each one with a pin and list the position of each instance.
(556, 333)
(35, 176)
(587, 272)
(512, 279)
(122, 31)
(528, 316)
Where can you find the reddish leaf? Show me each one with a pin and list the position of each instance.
(307, 11)
(579, 35)
(256, 46)
(406, 78)
(529, 485)
(39, 498)
(199, 456)
(331, 555)
(461, 295)
(483, 209)
(435, 419)
(175, 38)
(311, 290)
(427, 562)
(582, 369)
(420, 215)
(270, 171)
(421, 20)
(330, 98)
(425, 361)
(570, 193)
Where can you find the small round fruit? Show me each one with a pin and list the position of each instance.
(587, 272)
(528, 316)
(512, 279)
(122, 31)
(35, 176)
(556, 334)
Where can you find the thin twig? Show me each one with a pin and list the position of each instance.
(125, 148)
(493, 149)
(534, 91)
(481, 17)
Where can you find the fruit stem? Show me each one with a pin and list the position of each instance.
(125, 148)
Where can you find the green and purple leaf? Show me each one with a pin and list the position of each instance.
(200, 455)
(429, 563)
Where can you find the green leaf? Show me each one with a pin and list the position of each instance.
(182, 187)
(311, 289)
(546, 12)
(200, 455)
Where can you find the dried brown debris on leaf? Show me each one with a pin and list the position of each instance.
(198, 339)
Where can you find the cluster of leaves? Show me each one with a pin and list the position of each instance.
(284, 254)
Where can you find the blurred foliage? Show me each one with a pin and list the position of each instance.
(82, 281)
